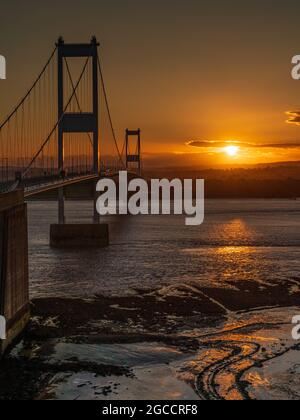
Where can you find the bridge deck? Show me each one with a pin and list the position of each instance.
(32, 188)
(41, 188)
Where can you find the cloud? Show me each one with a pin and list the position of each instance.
(214, 144)
(293, 117)
(222, 144)
(197, 143)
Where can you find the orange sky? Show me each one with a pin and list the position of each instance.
(180, 70)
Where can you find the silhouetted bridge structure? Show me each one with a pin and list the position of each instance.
(60, 133)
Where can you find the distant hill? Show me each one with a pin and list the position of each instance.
(269, 171)
(272, 180)
(275, 164)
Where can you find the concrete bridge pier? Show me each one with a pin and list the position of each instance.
(65, 235)
(61, 206)
(14, 283)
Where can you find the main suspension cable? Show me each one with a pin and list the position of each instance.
(29, 92)
(58, 122)
(109, 113)
(78, 103)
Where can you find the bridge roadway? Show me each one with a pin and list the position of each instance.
(49, 186)
(31, 191)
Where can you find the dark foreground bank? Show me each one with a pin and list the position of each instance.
(172, 343)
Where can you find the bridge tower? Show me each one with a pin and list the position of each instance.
(131, 136)
(77, 122)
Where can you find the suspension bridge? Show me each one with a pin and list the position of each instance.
(61, 132)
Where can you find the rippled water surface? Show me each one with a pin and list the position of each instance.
(250, 240)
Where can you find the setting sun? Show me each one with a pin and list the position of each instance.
(231, 150)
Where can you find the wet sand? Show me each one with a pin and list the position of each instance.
(169, 343)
